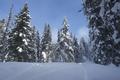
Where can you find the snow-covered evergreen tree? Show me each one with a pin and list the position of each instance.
(34, 44)
(55, 49)
(2, 28)
(5, 36)
(39, 56)
(112, 19)
(84, 50)
(78, 56)
(46, 43)
(21, 38)
(100, 32)
(65, 52)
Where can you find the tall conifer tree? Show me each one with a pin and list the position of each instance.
(21, 47)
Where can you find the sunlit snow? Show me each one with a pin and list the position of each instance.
(19, 49)
(25, 41)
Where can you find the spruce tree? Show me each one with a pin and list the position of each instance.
(104, 22)
(39, 56)
(21, 47)
(84, 50)
(7, 27)
(2, 27)
(34, 44)
(100, 33)
(46, 43)
(56, 50)
(112, 19)
(65, 52)
(77, 54)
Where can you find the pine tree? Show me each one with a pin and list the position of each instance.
(21, 47)
(77, 54)
(104, 20)
(34, 44)
(7, 27)
(84, 50)
(100, 33)
(46, 43)
(65, 52)
(56, 50)
(39, 56)
(112, 19)
(2, 26)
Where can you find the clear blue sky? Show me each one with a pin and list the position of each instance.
(52, 12)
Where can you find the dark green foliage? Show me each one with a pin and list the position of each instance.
(103, 24)
(77, 52)
(46, 43)
(21, 39)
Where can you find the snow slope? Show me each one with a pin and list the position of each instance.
(58, 71)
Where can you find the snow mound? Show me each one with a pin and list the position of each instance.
(58, 71)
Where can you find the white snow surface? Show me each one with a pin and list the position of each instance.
(58, 71)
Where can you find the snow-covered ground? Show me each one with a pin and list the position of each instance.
(58, 71)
